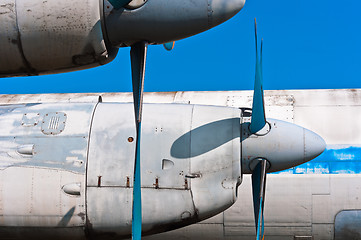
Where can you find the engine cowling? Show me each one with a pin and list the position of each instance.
(190, 164)
(45, 37)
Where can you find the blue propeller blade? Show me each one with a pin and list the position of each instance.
(138, 54)
(117, 4)
(258, 120)
(258, 189)
(137, 194)
(169, 46)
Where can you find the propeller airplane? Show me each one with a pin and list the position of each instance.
(189, 154)
(44, 37)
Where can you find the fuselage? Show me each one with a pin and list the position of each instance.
(304, 202)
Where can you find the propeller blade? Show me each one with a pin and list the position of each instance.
(138, 54)
(258, 120)
(117, 4)
(169, 46)
(258, 189)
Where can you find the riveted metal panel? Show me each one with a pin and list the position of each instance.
(53, 123)
(215, 158)
(14, 124)
(30, 120)
(110, 209)
(34, 168)
(165, 134)
(239, 220)
(111, 150)
(70, 35)
(112, 143)
(322, 211)
(32, 197)
(280, 107)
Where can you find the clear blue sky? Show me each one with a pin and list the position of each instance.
(307, 45)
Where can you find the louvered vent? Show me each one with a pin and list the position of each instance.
(53, 123)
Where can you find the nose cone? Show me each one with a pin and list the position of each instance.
(222, 10)
(314, 145)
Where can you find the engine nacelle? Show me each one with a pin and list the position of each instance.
(44, 37)
(67, 167)
(161, 21)
(189, 163)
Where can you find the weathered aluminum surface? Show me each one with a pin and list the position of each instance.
(50, 36)
(279, 106)
(11, 59)
(112, 145)
(42, 176)
(46, 37)
(200, 145)
(309, 106)
(110, 210)
(215, 156)
(65, 150)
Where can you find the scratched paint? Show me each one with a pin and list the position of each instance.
(336, 159)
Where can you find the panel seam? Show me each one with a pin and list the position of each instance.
(29, 69)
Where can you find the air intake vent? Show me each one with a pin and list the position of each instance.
(53, 123)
